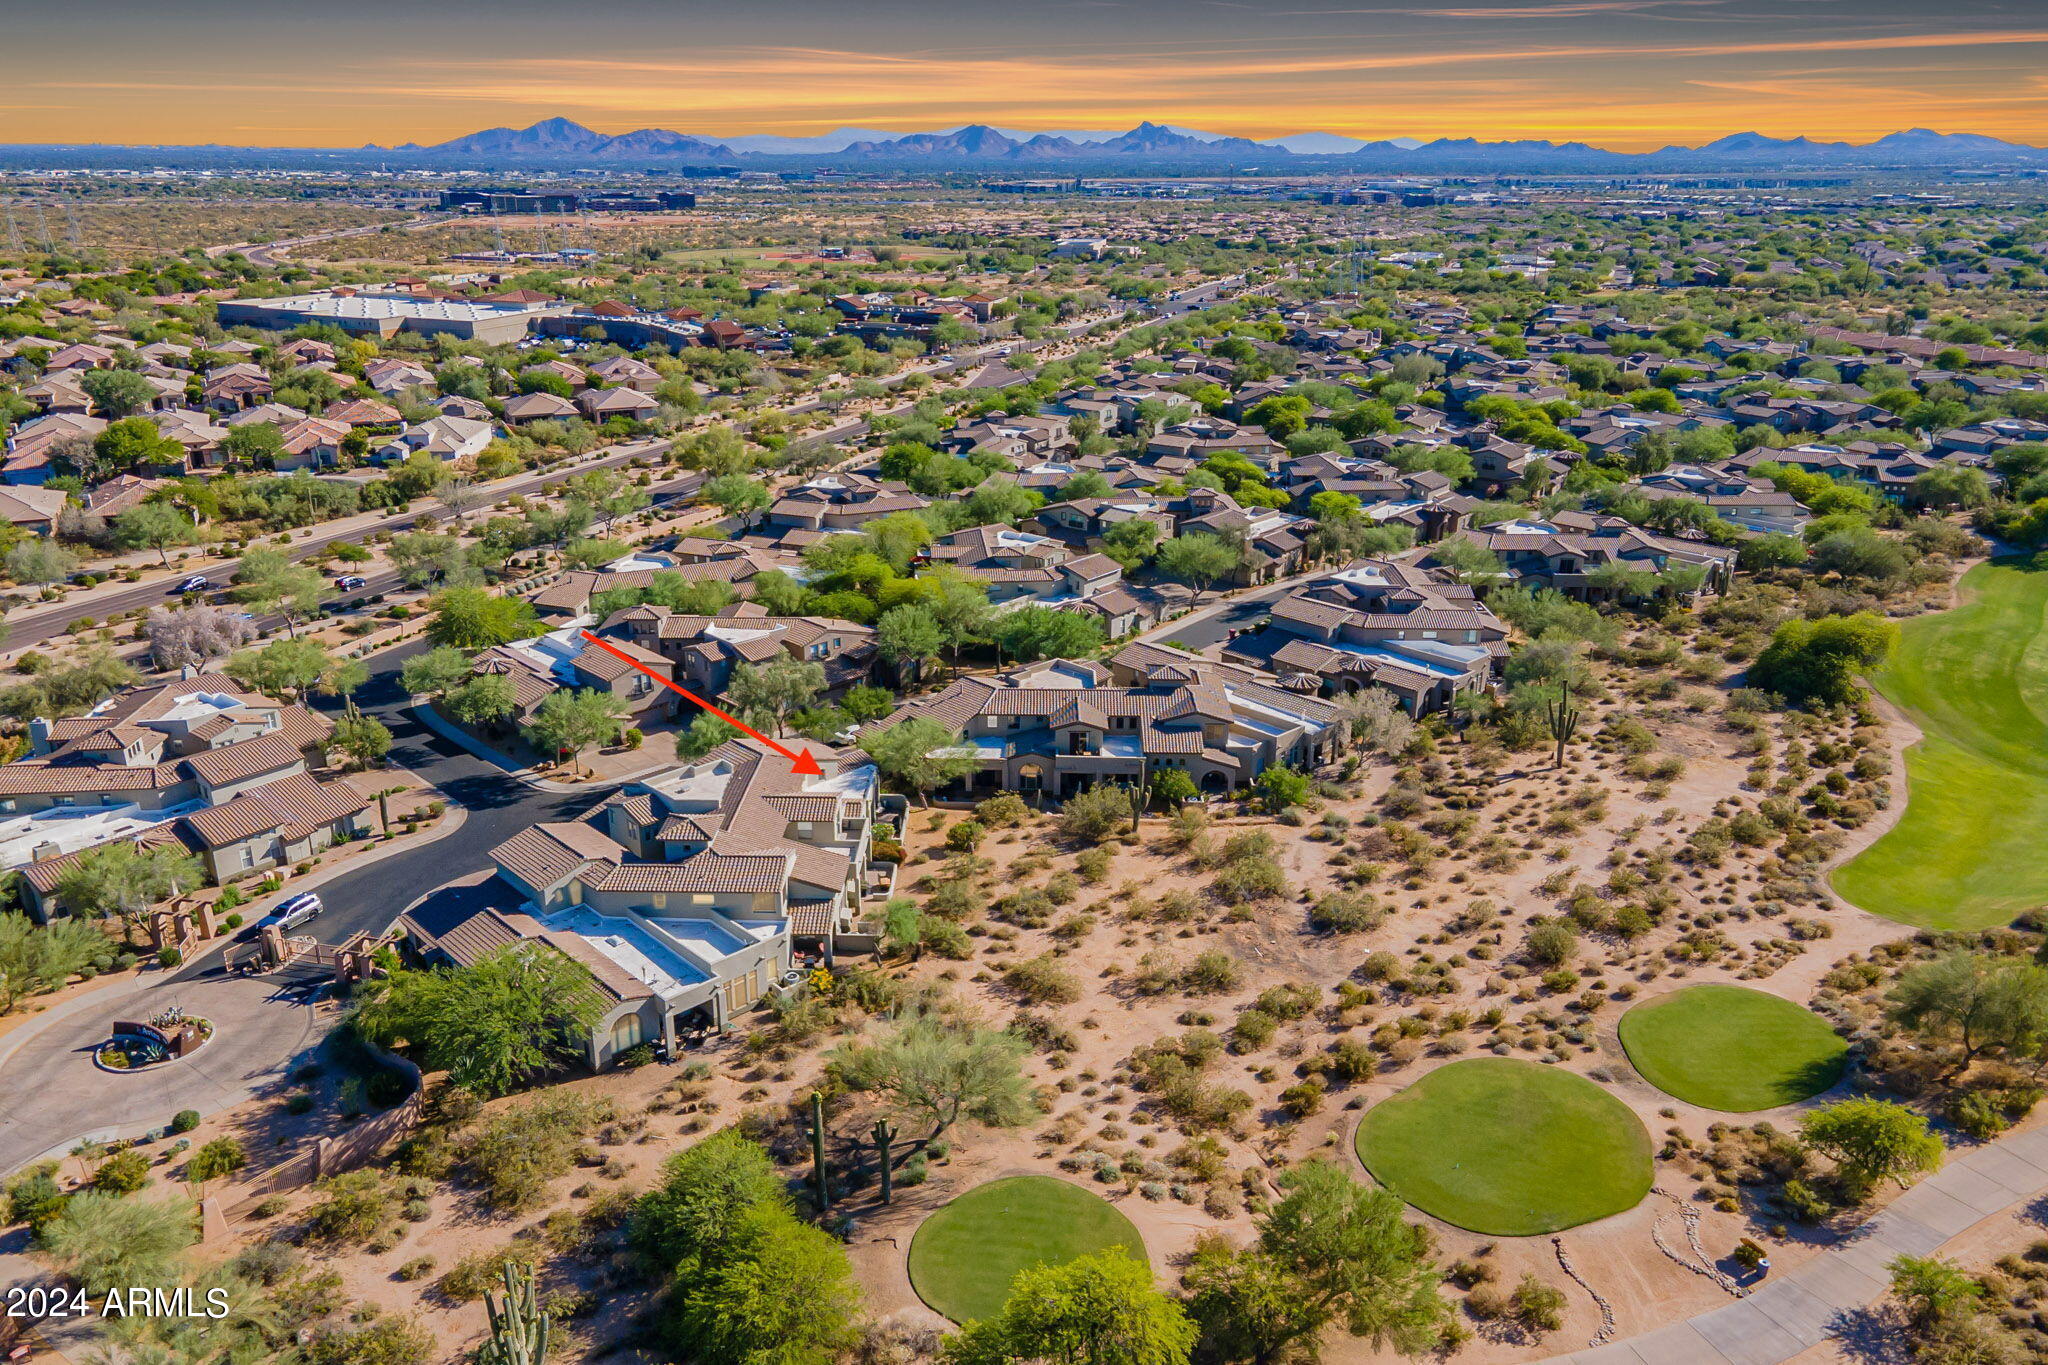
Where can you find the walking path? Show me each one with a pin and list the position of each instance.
(1822, 1299)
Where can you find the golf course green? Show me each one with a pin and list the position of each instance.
(964, 1256)
(1732, 1049)
(1968, 853)
(1507, 1147)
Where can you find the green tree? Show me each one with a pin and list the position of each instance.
(701, 1212)
(1099, 1309)
(778, 687)
(154, 526)
(364, 739)
(568, 722)
(493, 1026)
(117, 393)
(486, 699)
(1467, 560)
(434, 673)
(1037, 632)
(1130, 543)
(789, 1300)
(1816, 661)
(284, 669)
(909, 637)
(254, 445)
(268, 581)
(36, 959)
(470, 618)
(919, 754)
(134, 443)
(704, 733)
(738, 496)
(124, 882)
(941, 1071)
(1330, 1251)
(1981, 1001)
(37, 562)
(1197, 559)
(104, 1241)
(1872, 1140)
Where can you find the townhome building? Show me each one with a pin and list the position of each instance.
(687, 894)
(1379, 623)
(1051, 729)
(1567, 551)
(227, 772)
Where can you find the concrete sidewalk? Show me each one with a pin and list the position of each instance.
(1823, 1298)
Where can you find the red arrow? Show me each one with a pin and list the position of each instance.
(801, 763)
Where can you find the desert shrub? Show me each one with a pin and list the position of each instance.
(516, 1153)
(1003, 812)
(1539, 1307)
(1043, 981)
(1252, 1030)
(944, 938)
(1552, 942)
(222, 1156)
(1096, 814)
(386, 1341)
(122, 1173)
(1211, 973)
(1347, 912)
(469, 1277)
(1303, 1099)
(354, 1207)
(185, 1120)
(966, 836)
(1248, 879)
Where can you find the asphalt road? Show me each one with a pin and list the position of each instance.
(369, 899)
(1215, 629)
(35, 625)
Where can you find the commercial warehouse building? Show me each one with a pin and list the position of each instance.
(382, 315)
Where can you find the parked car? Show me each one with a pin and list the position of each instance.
(196, 583)
(292, 913)
(349, 582)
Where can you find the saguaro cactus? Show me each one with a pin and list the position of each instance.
(818, 1152)
(884, 1134)
(1563, 717)
(519, 1330)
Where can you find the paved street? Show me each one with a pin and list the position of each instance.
(34, 625)
(56, 1096)
(1832, 1295)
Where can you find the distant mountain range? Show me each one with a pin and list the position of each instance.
(562, 144)
(558, 140)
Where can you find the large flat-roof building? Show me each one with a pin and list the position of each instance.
(384, 314)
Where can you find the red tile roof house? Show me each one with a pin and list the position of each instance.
(685, 896)
(229, 771)
(599, 404)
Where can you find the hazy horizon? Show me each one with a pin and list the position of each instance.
(1630, 75)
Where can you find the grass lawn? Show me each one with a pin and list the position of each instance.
(964, 1256)
(1507, 1147)
(1733, 1049)
(1968, 852)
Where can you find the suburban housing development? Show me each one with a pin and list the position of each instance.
(744, 728)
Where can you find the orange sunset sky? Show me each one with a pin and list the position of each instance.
(1625, 74)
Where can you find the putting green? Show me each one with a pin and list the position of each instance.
(1733, 1049)
(1507, 1147)
(964, 1256)
(1968, 851)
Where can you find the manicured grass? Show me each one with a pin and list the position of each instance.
(1968, 852)
(1508, 1147)
(1729, 1048)
(964, 1256)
